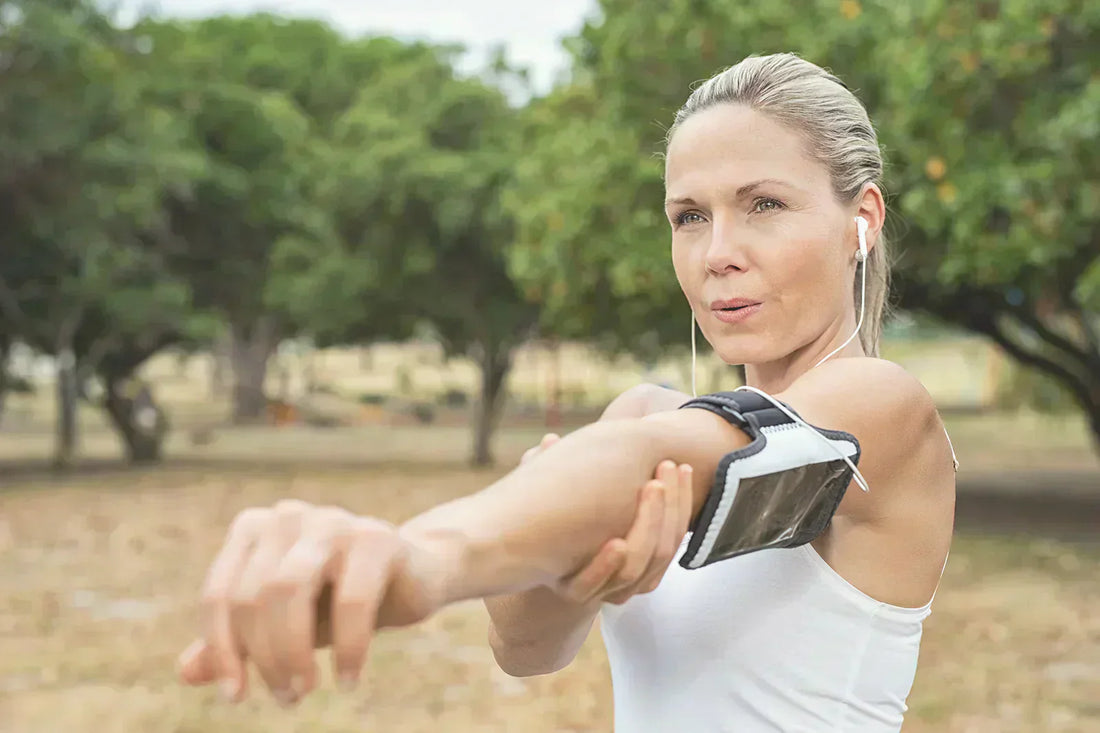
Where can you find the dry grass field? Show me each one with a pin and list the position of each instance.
(99, 572)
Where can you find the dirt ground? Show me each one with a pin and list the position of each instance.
(99, 574)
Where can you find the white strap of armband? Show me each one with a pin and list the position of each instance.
(855, 471)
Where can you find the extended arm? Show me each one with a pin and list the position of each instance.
(546, 518)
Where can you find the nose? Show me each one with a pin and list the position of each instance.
(726, 251)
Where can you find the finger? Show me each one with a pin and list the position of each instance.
(197, 665)
(685, 493)
(642, 538)
(644, 535)
(668, 474)
(250, 621)
(220, 583)
(368, 565)
(292, 599)
(586, 584)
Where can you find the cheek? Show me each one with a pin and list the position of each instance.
(686, 274)
(804, 272)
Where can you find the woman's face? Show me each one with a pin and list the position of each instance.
(762, 249)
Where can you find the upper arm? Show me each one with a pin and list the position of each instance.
(643, 399)
(886, 409)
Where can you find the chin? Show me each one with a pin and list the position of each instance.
(737, 351)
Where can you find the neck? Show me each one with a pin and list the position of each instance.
(776, 376)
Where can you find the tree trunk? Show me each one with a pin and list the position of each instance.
(1092, 412)
(219, 355)
(494, 363)
(250, 350)
(65, 447)
(141, 424)
(553, 388)
(4, 381)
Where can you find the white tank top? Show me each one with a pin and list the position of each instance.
(771, 641)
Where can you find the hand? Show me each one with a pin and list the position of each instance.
(298, 577)
(625, 567)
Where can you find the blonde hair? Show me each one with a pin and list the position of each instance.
(839, 133)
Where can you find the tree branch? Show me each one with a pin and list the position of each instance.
(1092, 336)
(1028, 317)
(978, 310)
(1076, 385)
(98, 349)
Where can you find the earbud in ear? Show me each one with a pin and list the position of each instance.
(861, 229)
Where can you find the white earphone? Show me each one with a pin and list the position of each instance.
(861, 229)
(861, 258)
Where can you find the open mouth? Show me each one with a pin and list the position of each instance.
(734, 312)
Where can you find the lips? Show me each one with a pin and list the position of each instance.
(735, 310)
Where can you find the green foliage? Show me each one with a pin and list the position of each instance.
(988, 113)
(413, 187)
(261, 173)
(254, 192)
(159, 182)
(85, 162)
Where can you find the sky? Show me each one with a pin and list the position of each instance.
(530, 29)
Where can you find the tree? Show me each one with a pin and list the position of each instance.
(262, 95)
(235, 92)
(85, 163)
(1002, 199)
(987, 111)
(414, 185)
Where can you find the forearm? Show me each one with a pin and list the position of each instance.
(548, 517)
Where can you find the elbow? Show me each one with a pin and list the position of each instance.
(527, 659)
(519, 665)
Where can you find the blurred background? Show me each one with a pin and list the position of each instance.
(367, 253)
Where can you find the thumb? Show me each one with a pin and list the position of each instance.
(197, 665)
(548, 440)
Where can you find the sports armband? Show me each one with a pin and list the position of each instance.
(781, 490)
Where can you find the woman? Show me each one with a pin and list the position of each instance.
(770, 167)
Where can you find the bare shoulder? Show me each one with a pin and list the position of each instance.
(903, 444)
(870, 389)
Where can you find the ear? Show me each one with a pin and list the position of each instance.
(871, 206)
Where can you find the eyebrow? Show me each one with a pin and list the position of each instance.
(742, 191)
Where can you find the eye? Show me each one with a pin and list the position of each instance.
(764, 205)
(688, 217)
